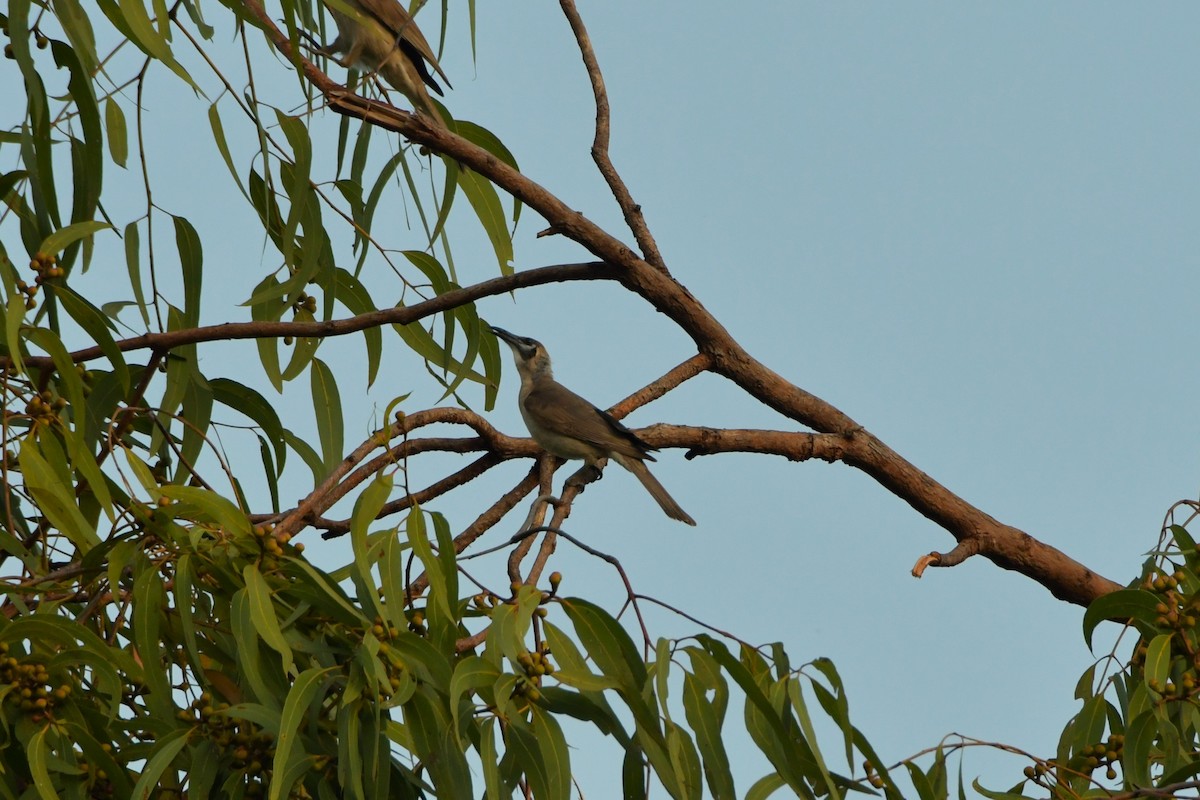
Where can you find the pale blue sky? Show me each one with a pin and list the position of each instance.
(970, 226)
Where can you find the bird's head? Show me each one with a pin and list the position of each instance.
(530, 354)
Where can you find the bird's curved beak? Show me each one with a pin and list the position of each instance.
(509, 338)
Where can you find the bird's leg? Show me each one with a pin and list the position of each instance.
(329, 50)
(353, 52)
(589, 473)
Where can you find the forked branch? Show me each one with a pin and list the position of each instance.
(1003, 544)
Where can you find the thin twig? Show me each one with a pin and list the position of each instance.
(403, 315)
(630, 209)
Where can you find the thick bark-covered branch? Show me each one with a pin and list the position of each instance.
(1004, 545)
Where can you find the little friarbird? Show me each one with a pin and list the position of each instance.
(568, 426)
(380, 37)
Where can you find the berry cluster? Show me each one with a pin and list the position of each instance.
(29, 686)
(248, 747)
(1088, 760)
(41, 41)
(45, 267)
(43, 408)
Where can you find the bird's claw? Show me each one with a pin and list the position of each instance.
(588, 473)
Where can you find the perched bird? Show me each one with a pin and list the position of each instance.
(570, 427)
(380, 37)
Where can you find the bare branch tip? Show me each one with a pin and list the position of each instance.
(931, 559)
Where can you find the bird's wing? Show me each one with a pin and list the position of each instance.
(392, 16)
(563, 412)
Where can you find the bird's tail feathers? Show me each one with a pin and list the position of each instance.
(656, 489)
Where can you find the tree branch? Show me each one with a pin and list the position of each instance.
(631, 210)
(1004, 545)
(400, 315)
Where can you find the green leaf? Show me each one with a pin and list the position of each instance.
(494, 781)
(39, 754)
(1135, 755)
(354, 296)
(993, 795)
(327, 404)
(510, 623)
(489, 142)
(443, 583)
(1088, 725)
(164, 752)
(134, 21)
(318, 590)
(1186, 772)
(270, 472)
(268, 347)
(366, 508)
(133, 266)
(191, 262)
(218, 131)
(424, 345)
(202, 772)
(14, 315)
(68, 376)
(118, 135)
(703, 718)
(297, 180)
(303, 348)
(431, 268)
(307, 455)
(1158, 660)
(254, 406)
(555, 757)
(62, 238)
(1183, 540)
(245, 636)
(632, 778)
(211, 507)
(185, 603)
(684, 761)
(471, 674)
(486, 202)
(54, 498)
(835, 703)
(97, 326)
(763, 721)
(295, 710)
(37, 137)
(1119, 605)
(197, 415)
(765, 786)
(796, 695)
(607, 643)
(920, 782)
(101, 759)
(585, 680)
(436, 745)
(78, 28)
(149, 606)
(262, 614)
(523, 746)
(94, 482)
(590, 707)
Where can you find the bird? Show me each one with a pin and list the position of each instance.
(568, 426)
(381, 37)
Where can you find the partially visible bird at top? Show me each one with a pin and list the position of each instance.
(380, 37)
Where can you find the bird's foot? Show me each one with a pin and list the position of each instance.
(588, 473)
